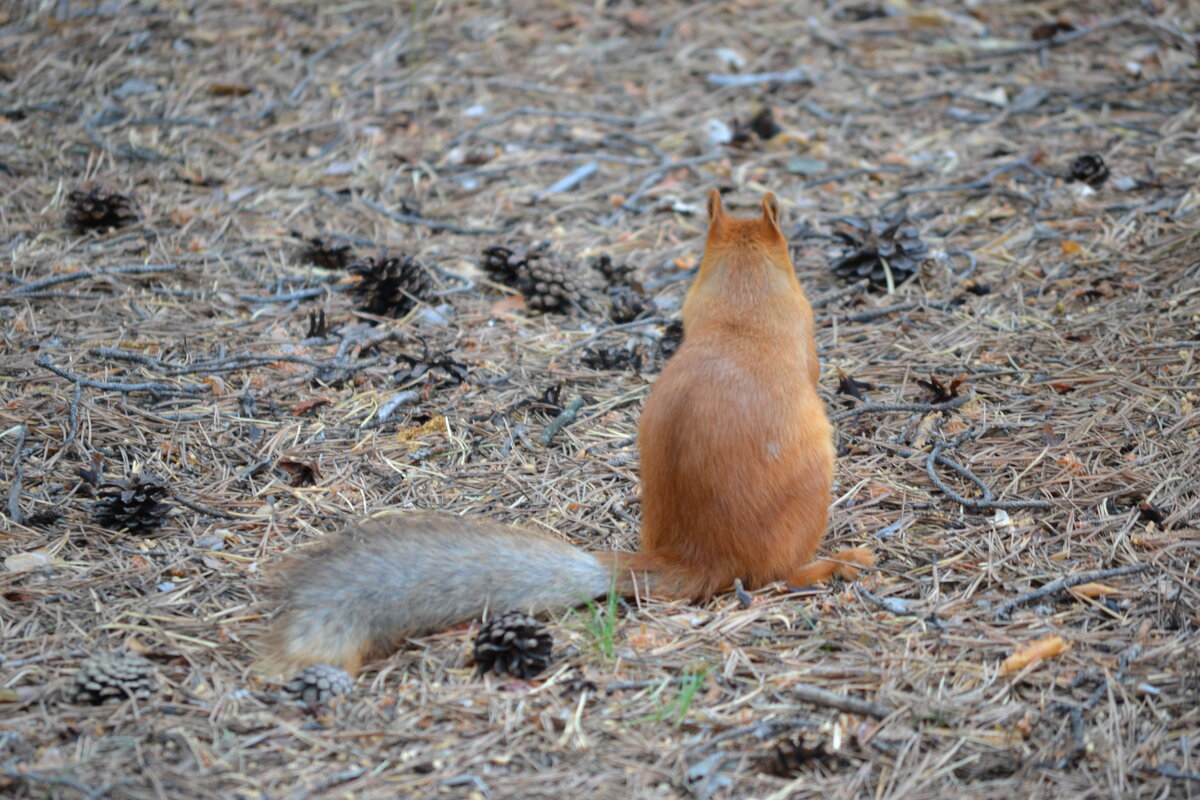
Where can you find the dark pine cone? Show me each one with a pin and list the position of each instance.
(318, 684)
(672, 338)
(613, 358)
(1090, 169)
(628, 305)
(391, 286)
(870, 244)
(138, 505)
(111, 678)
(614, 274)
(508, 265)
(515, 644)
(99, 209)
(329, 254)
(545, 285)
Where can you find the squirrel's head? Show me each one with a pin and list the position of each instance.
(747, 257)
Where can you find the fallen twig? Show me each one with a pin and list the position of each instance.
(565, 418)
(871, 408)
(54, 280)
(119, 386)
(1004, 610)
(827, 699)
(988, 501)
(826, 299)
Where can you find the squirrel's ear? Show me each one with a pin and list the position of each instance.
(715, 208)
(770, 207)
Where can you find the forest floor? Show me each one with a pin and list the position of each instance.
(1020, 407)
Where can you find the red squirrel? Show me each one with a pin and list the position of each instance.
(736, 470)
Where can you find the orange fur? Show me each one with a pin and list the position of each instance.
(736, 448)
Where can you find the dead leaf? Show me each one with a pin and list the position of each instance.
(508, 305)
(1070, 248)
(1092, 590)
(1037, 650)
(305, 407)
(300, 474)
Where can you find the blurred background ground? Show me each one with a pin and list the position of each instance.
(1019, 408)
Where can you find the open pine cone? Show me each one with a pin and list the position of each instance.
(391, 286)
(318, 684)
(870, 244)
(99, 209)
(546, 286)
(515, 644)
(111, 678)
(138, 505)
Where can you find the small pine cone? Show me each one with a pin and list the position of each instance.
(672, 338)
(549, 287)
(614, 274)
(515, 644)
(392, 286)
(869, 245)
(1090, 169)
(613, 358)
(329, 254)
(628, 305)
(138, 505)
(99, 209)
(111, 678)
(507, 265)
(319, 684)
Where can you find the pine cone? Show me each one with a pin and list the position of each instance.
(508, 265)
(392, 286)
(516, 644)
(318, 684)
(614, 274)
(99, 209)
(613, 358)
(111, 678)
(545, 285)
(870, 244)
(1091, 169)
(138, 505)
(672, 338)
(329, 254)
(628, 305)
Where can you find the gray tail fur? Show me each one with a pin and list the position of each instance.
(384, 579)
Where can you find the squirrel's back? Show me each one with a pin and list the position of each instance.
(736, 448)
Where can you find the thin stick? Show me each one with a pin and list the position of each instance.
(54, 280)
(1065, 583)
(826, 299)
(827, 699)
(985, 502)
(118, 386)
(871, 408)
(203, 509)
(565, 418)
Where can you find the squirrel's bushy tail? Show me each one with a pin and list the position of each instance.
(382, 580)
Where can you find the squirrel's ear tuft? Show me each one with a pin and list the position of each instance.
(770, 207)
(715, 208)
